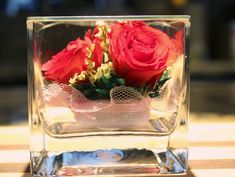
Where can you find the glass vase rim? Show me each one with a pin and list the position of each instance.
(108, 18)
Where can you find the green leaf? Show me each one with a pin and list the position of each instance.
(100, 89)
(121, 81)
(153, 95)
(164, 75)
(159, 84)
(104, 80)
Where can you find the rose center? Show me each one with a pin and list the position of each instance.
(142, 47)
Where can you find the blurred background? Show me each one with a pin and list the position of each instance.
(212, 48)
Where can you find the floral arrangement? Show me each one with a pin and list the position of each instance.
(131, 54)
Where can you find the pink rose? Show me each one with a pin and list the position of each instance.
(140, 53)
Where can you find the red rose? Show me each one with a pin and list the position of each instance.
(62, 66)
(178, 41)
(139, 52)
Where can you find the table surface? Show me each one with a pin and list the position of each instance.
(211, 147)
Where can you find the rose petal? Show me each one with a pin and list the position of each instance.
(142, 78)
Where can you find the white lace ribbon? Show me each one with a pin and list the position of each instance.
(122, 99)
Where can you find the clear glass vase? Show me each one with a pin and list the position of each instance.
(108, 95)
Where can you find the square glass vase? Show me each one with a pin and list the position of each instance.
(108, 95)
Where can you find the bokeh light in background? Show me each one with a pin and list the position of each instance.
(212, 46)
